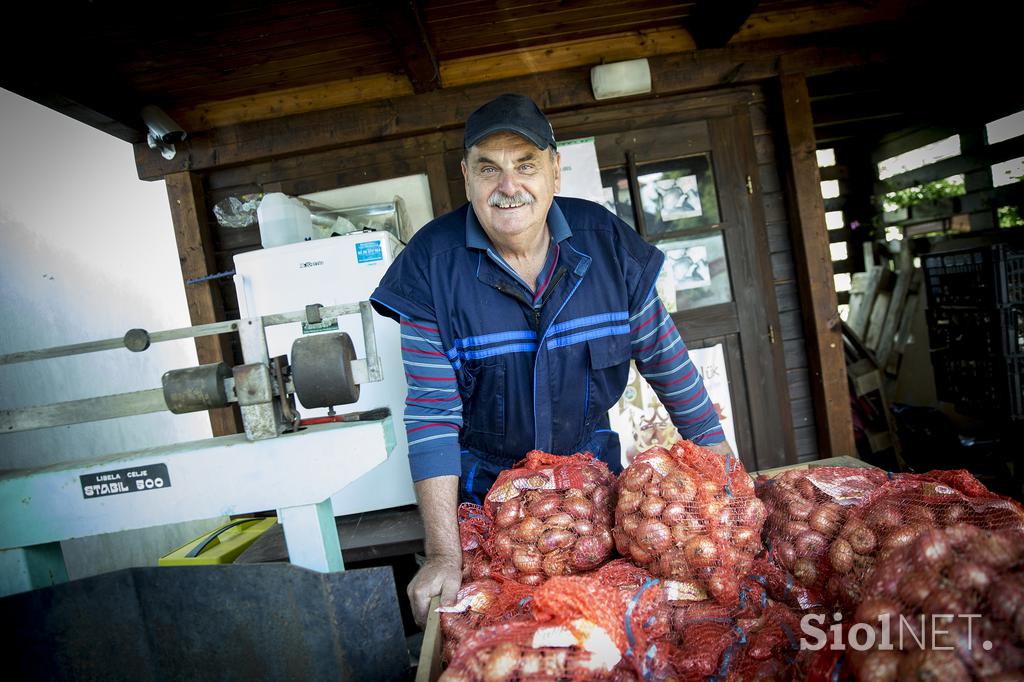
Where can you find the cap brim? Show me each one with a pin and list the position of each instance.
(538, 142)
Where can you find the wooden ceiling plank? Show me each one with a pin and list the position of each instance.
(558, 91)
(291, 101)
(414, 47)
(569, 54)
(712, 22)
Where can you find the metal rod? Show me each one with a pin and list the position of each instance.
(85, 410)
(210, 329)
(370, 342)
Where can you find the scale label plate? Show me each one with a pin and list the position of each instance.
(369, 252)
(120, 481)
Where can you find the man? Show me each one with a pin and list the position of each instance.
(520, 315)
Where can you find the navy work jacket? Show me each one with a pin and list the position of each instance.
(530, 376)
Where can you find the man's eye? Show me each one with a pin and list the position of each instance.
(486, 170)
(527, 168)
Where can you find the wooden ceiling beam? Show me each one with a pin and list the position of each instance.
(713, 22)
(447, 108)
(413, 45)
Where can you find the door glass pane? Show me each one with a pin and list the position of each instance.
(695, 273)
(678, 195)
(615, 183)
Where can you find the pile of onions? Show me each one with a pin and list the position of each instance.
(551, 516)
(957, 571)
(807, 510)
(688, 514)
(577, 632)
(900, 512)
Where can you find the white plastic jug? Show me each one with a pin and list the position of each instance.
(283, 220)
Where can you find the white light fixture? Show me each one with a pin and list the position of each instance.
(621, 79)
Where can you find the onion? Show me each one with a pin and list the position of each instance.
(811, 543)
(861, 538)
(946, 602)
(637, 477)
(559, 520)
(1009, 598)
(589, 552)
(583, 527)
(674, 512)
(785, 552)
(805, 571)
(840, 555)
(531, 579)
(700, 551)
(901, 537)
(826, 519)
(507, 514)
(795, 528)
(601, 498)
(640, 557)
(543, 505)
(678, 487)
(806, 488)
(502, 544)
(527, 559)
(653, 489)
(874, 609)
(915, 587)
(554, 564)
(800, 509)
(919, 515)
(969, 576)
(654, 535)
(529, 529)
(579, 507)
(555, 538)
(953, 514)
(884, 516)
(629, 501)
(652, 506)
(932, 547)
(630, 523)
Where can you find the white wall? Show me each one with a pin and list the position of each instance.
(87, 251)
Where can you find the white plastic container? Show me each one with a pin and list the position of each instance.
(283, 220)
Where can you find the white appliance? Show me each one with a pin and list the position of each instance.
(332, 271)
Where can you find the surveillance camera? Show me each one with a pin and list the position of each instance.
(162, 128)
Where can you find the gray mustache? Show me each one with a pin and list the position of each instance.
(498, 198)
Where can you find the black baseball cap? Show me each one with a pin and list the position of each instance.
(510, 113)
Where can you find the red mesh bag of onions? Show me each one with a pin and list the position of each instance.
(805, 511)
(947, 606)
(578, 633)
(481, 603)
(551, 516)
(689, 514)
(474, 529)
(895, 514)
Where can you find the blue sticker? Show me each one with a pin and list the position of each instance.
(369, 252)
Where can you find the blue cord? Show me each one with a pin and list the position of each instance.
(216, 275)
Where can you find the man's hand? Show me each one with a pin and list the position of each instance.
(440, 575)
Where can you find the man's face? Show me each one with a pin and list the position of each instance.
(511, 185)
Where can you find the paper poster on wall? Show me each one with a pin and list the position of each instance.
(581, 175)
(642, 421)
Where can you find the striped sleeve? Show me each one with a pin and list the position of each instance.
(662, 359)
(433, 407)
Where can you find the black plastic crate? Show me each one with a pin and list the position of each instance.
(985, 276)
(977, 332)
(1016, 394)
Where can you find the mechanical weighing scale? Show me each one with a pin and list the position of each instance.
(277, 463)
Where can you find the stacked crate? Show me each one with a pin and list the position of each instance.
(976, 329)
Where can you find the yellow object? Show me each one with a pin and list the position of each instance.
(221, 546)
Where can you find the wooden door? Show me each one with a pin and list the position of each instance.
(683, 175)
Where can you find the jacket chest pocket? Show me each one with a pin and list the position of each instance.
(484, 409)
(607, 372)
